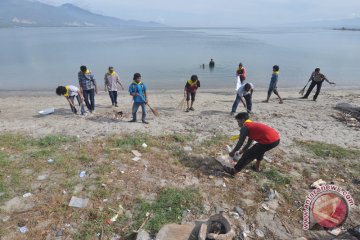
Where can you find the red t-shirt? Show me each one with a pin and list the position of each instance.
(261, 133)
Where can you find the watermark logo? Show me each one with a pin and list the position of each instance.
(327, 206)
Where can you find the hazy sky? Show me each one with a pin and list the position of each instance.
(214, 13)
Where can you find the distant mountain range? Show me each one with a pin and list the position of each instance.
(25, 13)
(353, 23)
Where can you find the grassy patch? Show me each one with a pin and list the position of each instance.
(129, 142)
(54, 140)
(167, 209)
(326, 150)
(215, 140)
(276, 177)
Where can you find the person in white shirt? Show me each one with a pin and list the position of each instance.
(244, 92)
(70, 92)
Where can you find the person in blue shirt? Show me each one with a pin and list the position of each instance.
(137, 89)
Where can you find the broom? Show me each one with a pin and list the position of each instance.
(303, 90)
(181, 105)
(153, 110)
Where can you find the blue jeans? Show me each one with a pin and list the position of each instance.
(247, 100)
(113, 97)
(89, 94)
(74, 110)
(135, 107)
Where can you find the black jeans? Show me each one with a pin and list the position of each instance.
(255, 152)
(113, 97)
(89, 94)
(312, 85)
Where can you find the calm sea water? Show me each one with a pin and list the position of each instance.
(42, 58)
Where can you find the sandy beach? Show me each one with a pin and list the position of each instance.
(113, 177)
(295, 119)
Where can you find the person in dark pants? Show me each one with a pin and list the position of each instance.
(245, 91)
(273, 84)
(266, 137)
(71, 92)
(191, 87)
(316, 79)
(88, 87)
(111, 80)
(137, 90)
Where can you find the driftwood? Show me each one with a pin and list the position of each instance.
(349, 114)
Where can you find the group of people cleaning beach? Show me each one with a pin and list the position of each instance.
(266, 138)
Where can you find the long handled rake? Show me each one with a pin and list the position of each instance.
(182, 104)
(303, 90)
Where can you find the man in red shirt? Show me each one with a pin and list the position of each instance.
(266, 137)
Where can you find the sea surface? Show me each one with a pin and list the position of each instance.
(43, 58)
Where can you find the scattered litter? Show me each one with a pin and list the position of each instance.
(318, 183)
(224, 185)
(187, 149)
(78, 136)
(136, 153)
(240, 211)
(47, 111)
(228, 148)
(42, 177)
(269, 160)
(335, 231)
(50, 161)
(122, 172)
(23, 229)
(144, 145)
(78, 202)
(259, 233)
(340, 180)
(105, 200)
(64, 192)
(67, 225)
(27, 195)
(265, 206)
(82, 174)
(270, 195)
(59, 233)
(211, 176)
(136, 159)
(235, 215)
(237, 156)
(113, 219)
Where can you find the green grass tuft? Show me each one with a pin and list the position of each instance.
(276, 177)
(54, 140)
(167, 209)
(325, 150)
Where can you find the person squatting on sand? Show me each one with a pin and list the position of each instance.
(245, 91)
(240, 76)
(70, 92)
(88, 87)
(137, 89)
(273, 84)
(111, 80)
(190, 91)
(266, 137)
(316, 79)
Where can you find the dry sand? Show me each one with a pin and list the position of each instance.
(295, 119)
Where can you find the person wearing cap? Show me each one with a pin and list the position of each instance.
(111, 80)
(88, 87)
(273, 84)
(266, 139)
(191, 87)
(137, 90)
(316, 79)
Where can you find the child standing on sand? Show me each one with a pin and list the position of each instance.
(273, 84)
(190, 91)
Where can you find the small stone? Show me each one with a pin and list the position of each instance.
(27, 195)
(42, 177)
(240, 211)
(259, 233)
(143, 235)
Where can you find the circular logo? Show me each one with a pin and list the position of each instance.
(329, 209)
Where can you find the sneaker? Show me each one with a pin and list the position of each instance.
(304, 97)
(116, 105)
(187, 110)
(192, 109)
(132, 120)
(232, 113)
(145, 122)
(229, 170)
